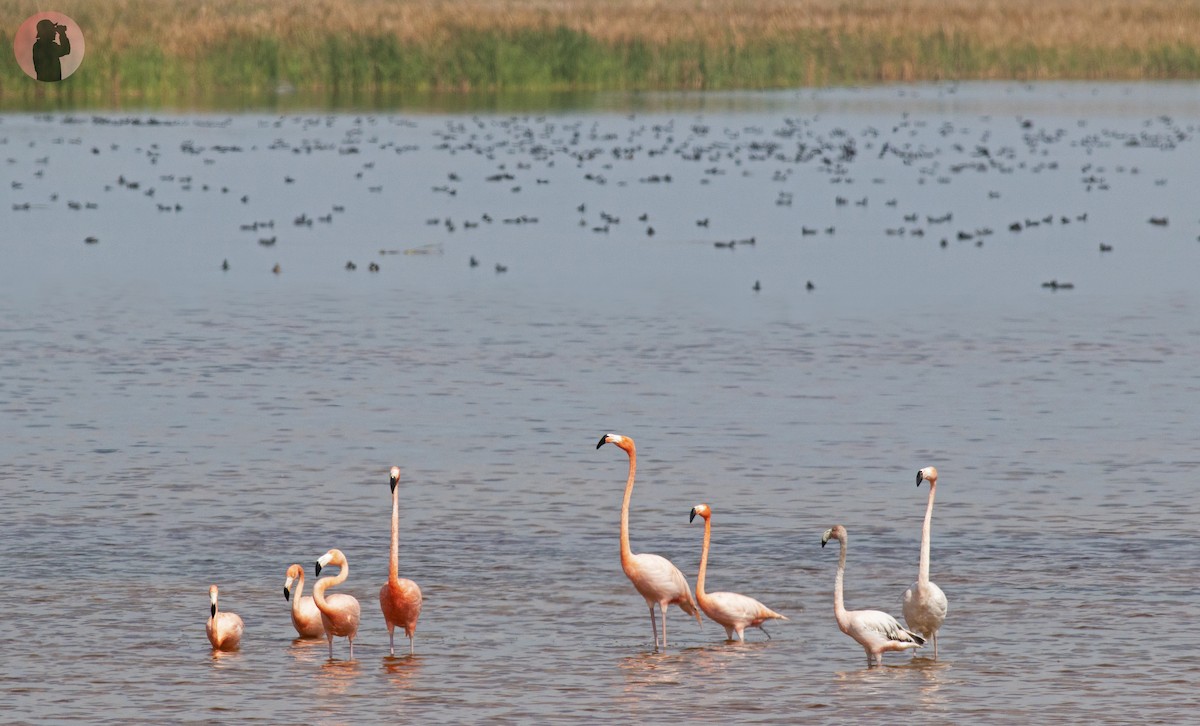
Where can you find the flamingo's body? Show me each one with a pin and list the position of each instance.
(339, 612)
(924, 602)
(657, 580)
(732, 611)
(306, 618)
(876, 631)
(224, 629)
(399, 599)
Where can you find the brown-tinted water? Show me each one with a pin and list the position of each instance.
(168, 424)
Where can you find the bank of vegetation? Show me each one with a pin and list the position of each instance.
(172, 51)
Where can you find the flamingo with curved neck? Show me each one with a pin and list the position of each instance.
(339, 612)
(876, 631)
(400, 599)
(732, 611)
(306, 618)
(224, 628)
(657, 580)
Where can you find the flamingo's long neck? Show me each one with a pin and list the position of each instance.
(626, 552)
(394, 558)
(327, 582)
(700, 594)
(923, 572)
(839, 605)
(299, 593)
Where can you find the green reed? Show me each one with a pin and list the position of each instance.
(255, 67)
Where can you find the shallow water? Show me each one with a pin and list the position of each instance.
(167, 424)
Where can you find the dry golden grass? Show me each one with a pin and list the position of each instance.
(625, 43)
(186, 27)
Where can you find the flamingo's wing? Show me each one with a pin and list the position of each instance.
(738, 608)
(887, 626)
(659, 580)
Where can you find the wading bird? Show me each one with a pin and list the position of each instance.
(306, 618)
(399, 599)
(224, 629)
(656, 579)
(924, 602)
(876, 631)
(339, 612)
(732, 611)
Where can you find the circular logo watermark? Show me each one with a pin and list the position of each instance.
(48, 46)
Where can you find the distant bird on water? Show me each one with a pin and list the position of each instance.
(732, 611)
(657, 580)
(876, 631)
(924, 602)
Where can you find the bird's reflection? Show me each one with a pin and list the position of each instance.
(309, 650)
(649, 669)
(716, 657)
(402, 670)
(336, 676)
(228, 656)
(926, 675)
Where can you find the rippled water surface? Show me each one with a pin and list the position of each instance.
(168, 424)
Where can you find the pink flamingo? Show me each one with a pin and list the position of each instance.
(924, 602)
(656, 579)
(339, 612)
(306, 618)
(876, 631)
(399, 599)
(224, 629)
(732, 611)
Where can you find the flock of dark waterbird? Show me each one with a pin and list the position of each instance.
(524, 151)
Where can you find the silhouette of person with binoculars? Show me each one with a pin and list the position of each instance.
(46, 52)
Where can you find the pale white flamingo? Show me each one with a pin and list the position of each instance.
(924, 602)
(732, 611)
(399, 599)
(224, 629)
(876, 631)
(656, 579)
(306, 618)
(339, 612)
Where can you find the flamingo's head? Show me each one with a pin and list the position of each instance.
(700, 510)
(334, 557)
(295, 572)
(394, 477)
(622, 441)
(837, 532)
(212, 600)
(928, 474)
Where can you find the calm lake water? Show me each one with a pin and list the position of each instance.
(168, 424)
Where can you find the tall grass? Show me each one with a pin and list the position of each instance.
(173, 51)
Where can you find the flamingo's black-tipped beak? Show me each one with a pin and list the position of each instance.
(287, 594)
(212, 609)
(692, 516)
(920, 477)
(394, 482)
(603, 441)
(823, 541)
(317, 566)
